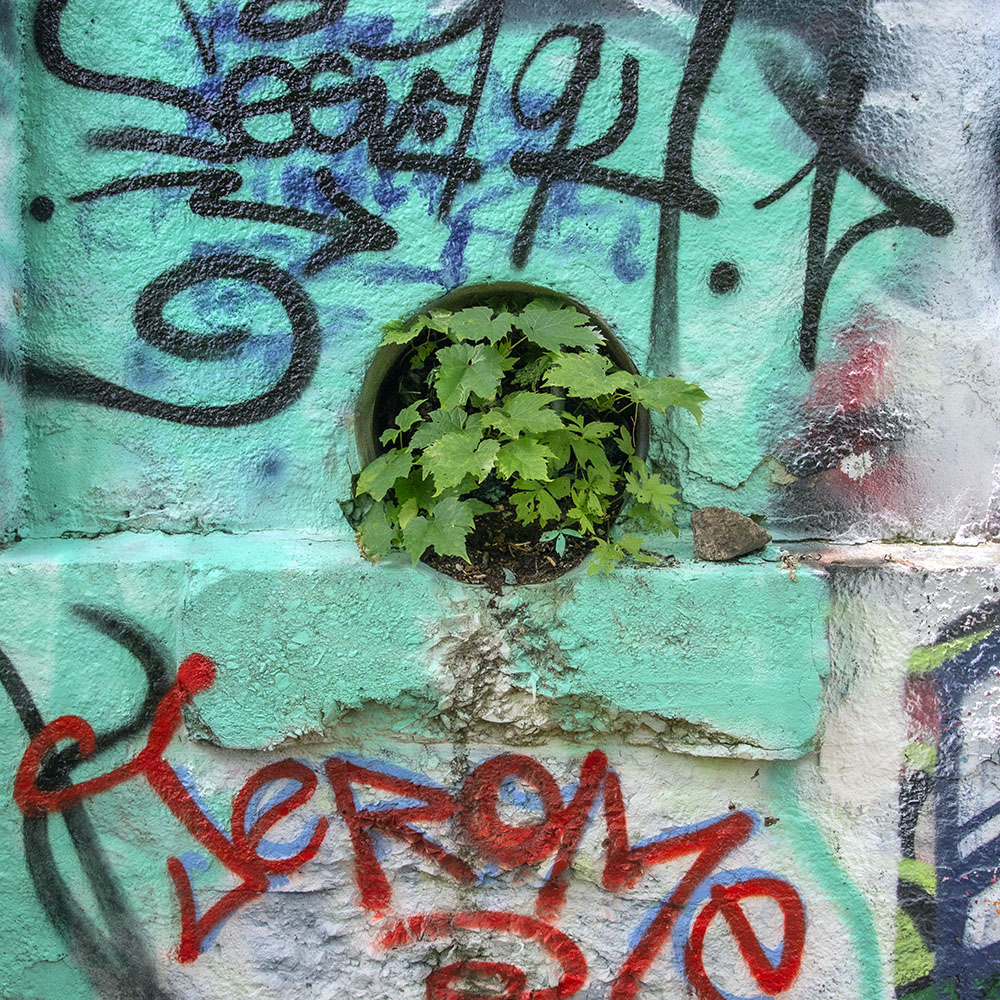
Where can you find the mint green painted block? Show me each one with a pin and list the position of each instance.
(303, 631)
(738, 650)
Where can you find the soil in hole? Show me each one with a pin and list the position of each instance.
(503, 551)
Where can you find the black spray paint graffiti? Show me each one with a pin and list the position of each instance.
(154, 329)
(118, 961)
(351, 228)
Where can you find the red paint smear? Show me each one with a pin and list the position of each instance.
(923, 710)
(862, 378)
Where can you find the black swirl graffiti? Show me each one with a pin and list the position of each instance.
(73, 383)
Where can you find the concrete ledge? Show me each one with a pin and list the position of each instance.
(709, 658)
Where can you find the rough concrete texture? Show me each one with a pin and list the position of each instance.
(240, 761)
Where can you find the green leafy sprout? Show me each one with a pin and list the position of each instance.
(521, 412)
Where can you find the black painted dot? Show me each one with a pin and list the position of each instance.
(724, 278)
(42, 209)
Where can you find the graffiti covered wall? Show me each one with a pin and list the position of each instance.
(239, 760)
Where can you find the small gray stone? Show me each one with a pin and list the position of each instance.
(721, 534)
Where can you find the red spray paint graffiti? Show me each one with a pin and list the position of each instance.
(474, 813)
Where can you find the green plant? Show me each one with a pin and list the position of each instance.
(521, 417)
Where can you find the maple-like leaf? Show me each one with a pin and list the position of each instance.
(587, 376)
(659, 393)
(525, 413)
(398, 332)
(456, 455)
(444, 529)
(632, 544)
(648, 488)
(375, 532)
(477, 323)
(526, 457)
(416, 489)
(378, 476)
(553, 325)
(440, 422)
(534, 502)
(465, 369)
(605, 557)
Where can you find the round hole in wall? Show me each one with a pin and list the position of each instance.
(501, 549)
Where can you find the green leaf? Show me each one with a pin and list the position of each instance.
(404, 421)
(444, 529)
(589, 505)
(586, 376)
(533, 502)
(409, 416)
(605, 557)
(592, 458)
(526, 457)
(531, 373)
(398, 332)
(437, 424)
(525, 413)
(559, 536)
(478, 323)
(375, 533)
(456, 455)
(553, 325)
(624, 441)
(560, 488)
(465, 369)
(438, 320)
(632, 544)
(560, 442)
(422, 353)
(659, 393)
(415, 487)
(407, 512)
(597, 430)
(648, 488)
(378, 476)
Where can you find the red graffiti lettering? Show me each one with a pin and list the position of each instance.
(625, 865)
(772, 979)
(510, 846)
(552, 941)
(436, 806)
(246, 842)
(558, 831)
(552, 894)
(440, 983)
(239, 855)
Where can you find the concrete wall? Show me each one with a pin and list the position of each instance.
(242, 762)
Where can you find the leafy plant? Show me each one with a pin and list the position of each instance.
(521, 416)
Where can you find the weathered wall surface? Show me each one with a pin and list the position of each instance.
(238, 760)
